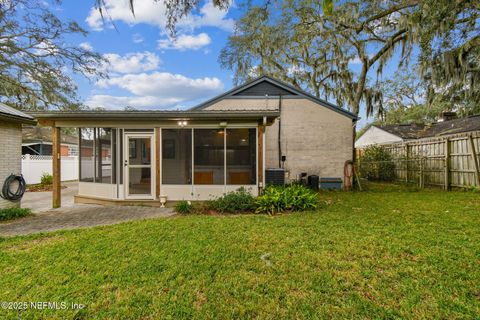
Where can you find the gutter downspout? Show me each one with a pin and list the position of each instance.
(280, 131)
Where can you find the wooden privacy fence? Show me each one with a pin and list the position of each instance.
(450, 161)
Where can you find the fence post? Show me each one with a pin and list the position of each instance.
(447, 164)
(473, 152)
(406, 163)
(420, 178)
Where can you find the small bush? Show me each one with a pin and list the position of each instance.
(286, 198)
(184, 207)
(13, 213)
(234, 202)
(46, 179)
(377, 164)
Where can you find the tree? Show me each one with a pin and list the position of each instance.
(36, 62)
(296, 42)
(405, 99)
(178, 9)
(448, 34)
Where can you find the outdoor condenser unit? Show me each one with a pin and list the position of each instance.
(275, 176)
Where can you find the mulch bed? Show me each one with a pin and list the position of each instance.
(41, 187)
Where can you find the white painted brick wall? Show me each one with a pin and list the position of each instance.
(10, 155)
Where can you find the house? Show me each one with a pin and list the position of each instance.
(448, 124)
(11, 121)
(37, 140)
(218, 146)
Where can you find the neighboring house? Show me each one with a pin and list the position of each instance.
(37, 140)
(223, 144)
(11, 121)
(448, 124)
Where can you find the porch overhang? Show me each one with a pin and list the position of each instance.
(157, 121)
(80, 118)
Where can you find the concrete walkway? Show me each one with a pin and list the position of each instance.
(42, 201)
(73, 216)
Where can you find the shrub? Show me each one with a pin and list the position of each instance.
(377, 164)
(286, 198)
(184, 207)
(13, 213)
(233, 202)
(46, 179)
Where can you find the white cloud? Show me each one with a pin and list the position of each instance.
(137, 38)
(46, 47)
(120, 102)
(185, 42)
(155, 90)
(132, 62)
(153, 13)
(86, 46)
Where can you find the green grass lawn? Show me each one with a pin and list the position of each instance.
(386, 253)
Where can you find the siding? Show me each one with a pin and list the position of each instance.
(264, 88)
(10, 155)
(375, 135)
(245, 104)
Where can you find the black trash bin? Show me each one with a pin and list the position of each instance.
(313, 182)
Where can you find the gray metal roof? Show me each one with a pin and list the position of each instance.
(142, 115)
(10, 114)
(280, 84)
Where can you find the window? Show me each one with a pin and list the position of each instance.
(97, 150)
(176, 156)
(241, 156)
(209, 156)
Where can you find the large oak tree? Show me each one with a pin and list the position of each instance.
(36, 63)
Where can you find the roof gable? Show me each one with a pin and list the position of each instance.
(265, 88)
(269, 84)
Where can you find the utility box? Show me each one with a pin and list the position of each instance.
(313, 182)
(275, 176)
(331, 183)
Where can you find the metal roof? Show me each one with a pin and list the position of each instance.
(142, 115)
(13, 115)
(280, 84)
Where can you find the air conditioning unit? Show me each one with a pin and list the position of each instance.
(275, 176)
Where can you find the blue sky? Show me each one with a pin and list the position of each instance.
(148, 70)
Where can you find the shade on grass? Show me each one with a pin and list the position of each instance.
(379, 254)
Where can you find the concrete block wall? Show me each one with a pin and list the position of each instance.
(315, 140)
(10, 155)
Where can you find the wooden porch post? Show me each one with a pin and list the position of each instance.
(260, 164)
(56, 160)
(157, 162)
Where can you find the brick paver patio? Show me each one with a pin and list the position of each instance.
(80, 216)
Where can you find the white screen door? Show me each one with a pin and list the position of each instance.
(138, 166)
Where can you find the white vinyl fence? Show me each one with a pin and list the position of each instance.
(33, 166)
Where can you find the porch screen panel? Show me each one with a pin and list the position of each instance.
(104, 155)
(87, 154)
(177, 156)
(241, 156)
(209, 153)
